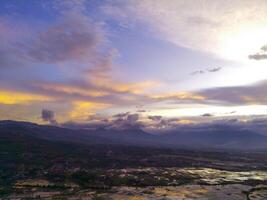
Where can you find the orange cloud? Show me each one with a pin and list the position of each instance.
(250, 100)
(82, 110)
(106, 82)
(185, 121)
(179, 95)
(10, 97)
(74, 90)
(135, 88)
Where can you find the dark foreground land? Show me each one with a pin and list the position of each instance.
(36, 168)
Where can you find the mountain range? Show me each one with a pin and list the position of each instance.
(218, 137)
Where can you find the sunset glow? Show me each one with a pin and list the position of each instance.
(88, 62)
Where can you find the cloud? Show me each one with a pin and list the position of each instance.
(164, 125)
(121, 115)
(161, 124)
(106, 90)
(72, 38)
(79, 49)
(210, 70)
(155, 118)
(82, 104)
(71, 43)
(260, 55)
(232, 112)
(14, 97)
(120, 121)
(207, 115)
(82, 110)
(85, 125)
(253, 123)
(197, 72)
(264, 48)
(215, 69)
(177, 96)
(132, 118)
(239, 95)
(219, 25)
(127, 117)
(256, 124)
(12, 32)
(49, 116)
(141, 111)
(103, 81)
(126, 120)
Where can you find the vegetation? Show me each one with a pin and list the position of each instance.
(67, 166)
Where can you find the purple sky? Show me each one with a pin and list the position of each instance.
(186, 62)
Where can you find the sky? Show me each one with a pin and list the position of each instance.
(153, 63)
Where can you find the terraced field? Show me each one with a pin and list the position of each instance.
(202, 184)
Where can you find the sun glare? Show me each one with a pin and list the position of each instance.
(240, 44)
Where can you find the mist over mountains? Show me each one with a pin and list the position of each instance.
(216, 137)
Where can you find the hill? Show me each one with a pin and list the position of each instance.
(216, 137)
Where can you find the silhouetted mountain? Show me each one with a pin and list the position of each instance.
(216, 137)
(222, 137)
(101, 136)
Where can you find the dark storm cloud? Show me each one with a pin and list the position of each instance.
(48, 116)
